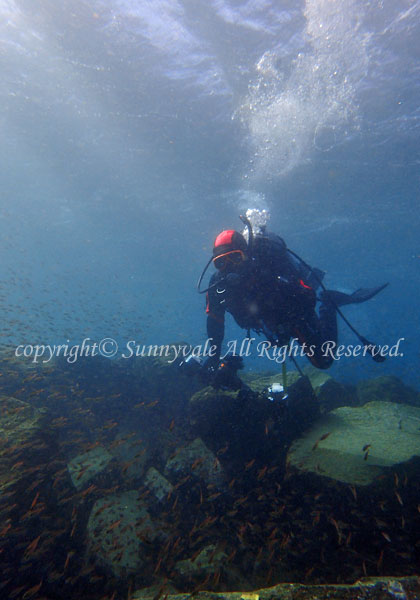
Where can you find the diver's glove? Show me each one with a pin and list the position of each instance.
(209, 370)
(222, 374)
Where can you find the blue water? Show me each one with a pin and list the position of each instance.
(133, 132)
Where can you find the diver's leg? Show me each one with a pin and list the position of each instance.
(314, 332)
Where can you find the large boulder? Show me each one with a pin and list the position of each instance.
(21, 438)
(160, 487)
(195, 458)
(261, 381)
(329, 392)
(159, 370)
(358, 444)
(120, 531)
(248, 423)
(372, 588)
(86, 467)
(208, 560)
(387, 388)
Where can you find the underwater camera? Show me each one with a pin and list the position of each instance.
(191, 365)
(277, 393)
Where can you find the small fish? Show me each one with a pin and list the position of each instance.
(321, 439)
(34, 501)
(88, 490)
(32, 591)
(114, 525)
(262, 472)
(309, 572)
(101, 509)
(214, 496)
(386, 536)
(196, 463)
(68, 557)
(152, 404)
(159, 562)
(231, 555)
(316, 518)
(172, 425)
(223, 450)
(16, 465)
(32, 546)
(398, 497)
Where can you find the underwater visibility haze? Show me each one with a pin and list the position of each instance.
(132, 134)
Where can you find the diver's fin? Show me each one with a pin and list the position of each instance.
(360, 295)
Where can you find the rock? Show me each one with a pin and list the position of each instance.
(317, 377)
(332, 394)
(248, 424)
(18, 420)
(207, 564)
(131, 455)
(118, 528)
(35, 495)
(372, 588)
(387, 389)
(213, 412)
(260, 382)
(15, 369)
(209, 560)
(198, 459)
(85, 467)
(158, 484)
(391, 430)
(157, 373)
(161, 588)
(21, 427)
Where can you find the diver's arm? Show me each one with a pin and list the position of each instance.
(215, 327)
(216, 333)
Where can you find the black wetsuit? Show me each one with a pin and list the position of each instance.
(274, 295)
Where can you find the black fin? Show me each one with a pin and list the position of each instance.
(360, 295)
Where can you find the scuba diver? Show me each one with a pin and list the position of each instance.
(268, 289)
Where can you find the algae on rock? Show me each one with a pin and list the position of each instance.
(389, 432)
(20, 423)
(117, 526)
(198, 457)
(84, 467)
